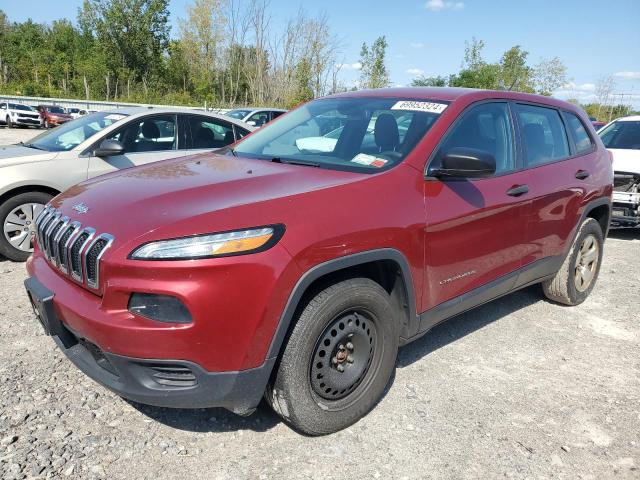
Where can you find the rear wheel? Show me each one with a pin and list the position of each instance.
(18, 215)
(577, 276)
(338, 358)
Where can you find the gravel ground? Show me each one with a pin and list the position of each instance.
(519, 388)
(9, 136)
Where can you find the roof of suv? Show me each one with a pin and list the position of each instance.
(450, 94)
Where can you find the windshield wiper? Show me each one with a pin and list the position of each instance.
(31, 145)
(294, 161)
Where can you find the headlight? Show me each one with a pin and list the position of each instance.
(239, 242)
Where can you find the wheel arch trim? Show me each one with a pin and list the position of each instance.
(333, 266)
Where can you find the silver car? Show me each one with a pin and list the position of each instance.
(256, 117)
(95, 144)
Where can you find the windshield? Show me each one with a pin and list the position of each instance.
(55, 109)
(239, 114)
(621, 134)
(357, 134)
(17, 106)
(73, 133)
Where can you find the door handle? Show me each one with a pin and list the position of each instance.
(582, 174)
(518, 190)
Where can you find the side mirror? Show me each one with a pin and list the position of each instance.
(252, 123)
(109, 148)
(465, 163)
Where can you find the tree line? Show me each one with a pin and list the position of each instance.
(223, 53)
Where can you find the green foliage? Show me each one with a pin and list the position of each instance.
(374, 72)
(437, 81)
(304, 89)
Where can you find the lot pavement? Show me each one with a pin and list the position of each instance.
(518, 388)
(9, 136)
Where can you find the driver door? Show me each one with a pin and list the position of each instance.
(145, 140)
(475, 228)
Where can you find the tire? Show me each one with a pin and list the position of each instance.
(6, 248)
(9, 122)
(568, 286)
(352, 323)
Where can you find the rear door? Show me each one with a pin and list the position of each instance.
(147, 139)
(558, 174)
(206, 133)
(475, 228)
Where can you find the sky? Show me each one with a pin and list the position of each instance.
(593, 38)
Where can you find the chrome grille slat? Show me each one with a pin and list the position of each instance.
(47, 233)
(92, 256)
(44, 221)
(63, 245)
(75, 253)
(74, 250)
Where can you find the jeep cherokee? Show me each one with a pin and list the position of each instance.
(274, 269)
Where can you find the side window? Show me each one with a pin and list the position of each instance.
(581, 138)
(486, 127)
(260, 118)
(543, 134)
(240, 132)
(210, 133)
(275, 115)
(151, 134)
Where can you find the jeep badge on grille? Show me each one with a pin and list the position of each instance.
(81, 208)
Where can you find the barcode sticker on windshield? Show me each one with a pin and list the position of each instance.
(115, 116)
(430, 107)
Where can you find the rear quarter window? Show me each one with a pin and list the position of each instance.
(578, 132)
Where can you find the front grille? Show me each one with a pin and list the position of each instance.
(92, 258)
(74, 254)
(76, 251)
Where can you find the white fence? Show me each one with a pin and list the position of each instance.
(92, 104)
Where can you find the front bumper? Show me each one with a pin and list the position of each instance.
(161, 382)
(30, 122)
(625, 210)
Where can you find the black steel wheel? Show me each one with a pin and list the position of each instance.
(338, 358)
(343, 355)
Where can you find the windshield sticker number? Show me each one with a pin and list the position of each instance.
(429, 107)
(369, 160)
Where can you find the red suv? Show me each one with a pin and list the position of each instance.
(52, 116)
(294, 263)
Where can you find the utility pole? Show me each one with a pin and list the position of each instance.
(621, 102)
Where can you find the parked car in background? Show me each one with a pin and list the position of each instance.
(17, 114)
(622, 138)
(268, 270)
(75, 112)
(52, 115)
(256, 117)
(32, 173)
(598, 124)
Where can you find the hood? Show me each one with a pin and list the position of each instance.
(200, 194)
(17, 154)
(626, 160)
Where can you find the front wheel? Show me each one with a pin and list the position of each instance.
(9, 122)
(577, 276)
(338, 359)
(18, 215)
